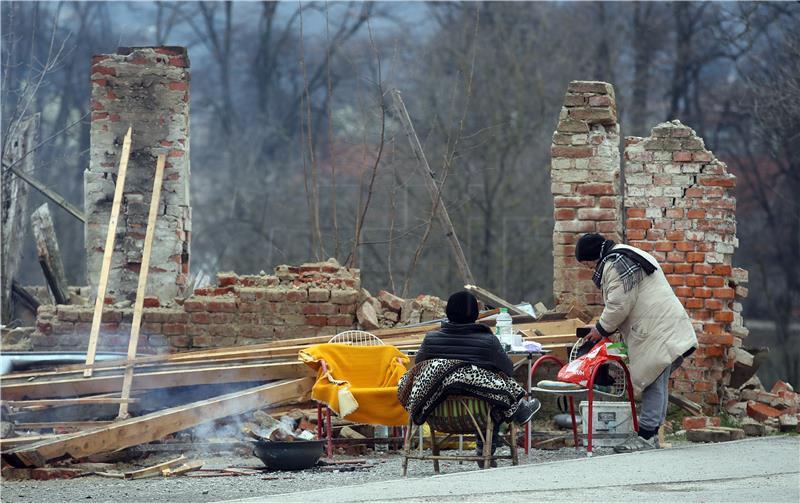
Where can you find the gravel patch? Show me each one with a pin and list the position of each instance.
(197, 490)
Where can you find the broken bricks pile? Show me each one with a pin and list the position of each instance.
(75, 417)
(756, 412)
(387, 310)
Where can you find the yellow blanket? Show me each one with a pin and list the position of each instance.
(361, 382)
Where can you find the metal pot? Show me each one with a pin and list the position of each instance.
(297, 455)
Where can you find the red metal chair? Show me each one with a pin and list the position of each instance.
(570, 393)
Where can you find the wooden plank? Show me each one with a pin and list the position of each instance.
(155, 380)
(433, 189)
(493, 300)
(74, 425)
(185, 468)
(151, 471)
(49, 255)
(48, 193)
(24, 296)
(10, 443)
(143, 429)
(141, 288)
(108, 251)
(20, 404)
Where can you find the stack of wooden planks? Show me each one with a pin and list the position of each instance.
(264, 375)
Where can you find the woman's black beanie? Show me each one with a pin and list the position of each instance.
(589, 247)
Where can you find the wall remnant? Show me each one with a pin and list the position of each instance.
(679, 206)
(295, 301)
(146, 88)
(585, 176)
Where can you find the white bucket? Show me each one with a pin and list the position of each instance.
(611, 422)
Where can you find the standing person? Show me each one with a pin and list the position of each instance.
(641, 306)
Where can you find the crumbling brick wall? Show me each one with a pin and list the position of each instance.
(295, 301)
(679, 206)
(585, 173)
(147, 89)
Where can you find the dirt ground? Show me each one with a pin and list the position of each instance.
(196, 490)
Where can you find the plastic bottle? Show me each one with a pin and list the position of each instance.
(503, 327)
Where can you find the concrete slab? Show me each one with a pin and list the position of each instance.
(760, 469)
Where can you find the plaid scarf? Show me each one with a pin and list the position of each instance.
(630, 266)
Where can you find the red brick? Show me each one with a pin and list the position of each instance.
(676, 279)
(712, 328)
(724, 293)
(684, 246)
(341, 320)
(717, 180)
(151, 302)
(317, 321)
(638, 223)
(173, 329)
(221, 306)
(596, 214)
(780, 386)
(715, 281)
(698, 422)
(191, 305)
(635, 212)
(693, 303)
(565, 213)
(724, 316)
(683, 291)
(676, 256)
(703, 269)
(695, 257)
(694, 280)
(596, 189)
(635, 234)
(683, 268)
(695, 213)
(682, 156)
(608, 202)
(675, 235)
(665, 246)
(201, 318)
(643, 245)
(713, 305)
(722, 270)
(667, 268)
(761, 412)
(573, 202)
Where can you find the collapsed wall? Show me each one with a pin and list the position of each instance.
(147, 89)
(679, 206)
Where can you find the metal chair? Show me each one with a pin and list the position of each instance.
(459, 415)
(352, 338)
(622, 385)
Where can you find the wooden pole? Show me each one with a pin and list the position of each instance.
(48, 193)
(108, 252)
(141, 289)
(433, 189)
(49, 254)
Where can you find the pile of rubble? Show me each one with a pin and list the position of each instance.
(756, 412)
(387, 310)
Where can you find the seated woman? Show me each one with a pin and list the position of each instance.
(460, 338)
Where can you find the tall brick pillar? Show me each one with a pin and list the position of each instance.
(680, 207)
(146, 88)
(585, 176)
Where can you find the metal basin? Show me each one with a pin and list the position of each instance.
(297, 455)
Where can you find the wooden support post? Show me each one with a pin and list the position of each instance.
(49, 256)
(107, 253)
(141, 289)
(433, 189)
(19, 147)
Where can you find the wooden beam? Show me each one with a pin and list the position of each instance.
(24, 296)
(73, 425)
(493, 300)
(49, 255)
(433, 189)
(10, 443)
(48, 193)
(154, 380)
(107, 253)
(141, 289)
(20, 404)
(143, 429)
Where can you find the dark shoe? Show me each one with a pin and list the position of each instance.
(479, 452)
(526, 410)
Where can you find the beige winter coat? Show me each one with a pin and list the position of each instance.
(650, 318)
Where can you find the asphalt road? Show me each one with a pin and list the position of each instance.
(760, 469)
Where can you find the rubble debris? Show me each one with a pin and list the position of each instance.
(714, 434)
